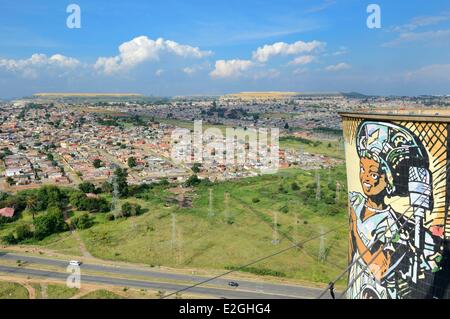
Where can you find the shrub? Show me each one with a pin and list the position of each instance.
(23, 232)
(295, 186)
(91, 204)
(109, 216)
(192, 181)
(9, 239)
(129, 209)
(50, 223)
(87, 187)
(83, 221)
(284, 209)
(255, 200)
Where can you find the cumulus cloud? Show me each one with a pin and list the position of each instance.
(263, 54)
(230, 68)
(32, 66)
(301, 60)
(338, 67)
(142, 49)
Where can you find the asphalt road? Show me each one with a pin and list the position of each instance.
(246, 289)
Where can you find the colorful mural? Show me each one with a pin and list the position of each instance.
(397, 180)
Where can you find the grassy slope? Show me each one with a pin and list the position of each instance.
(323, 148)
(234, 237)
(10, 290)
(212, 242)
(101, 294)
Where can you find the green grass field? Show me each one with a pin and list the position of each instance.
(238, 229)
(101, 294)
(11, 290)
(60, 292)
(238, 232)
(327, 148)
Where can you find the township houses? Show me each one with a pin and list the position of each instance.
(7, 212)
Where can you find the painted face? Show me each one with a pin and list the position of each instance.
(373, 181)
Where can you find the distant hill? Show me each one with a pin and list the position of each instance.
(283, 95)
(355, 95)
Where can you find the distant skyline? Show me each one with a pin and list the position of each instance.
(196, 47)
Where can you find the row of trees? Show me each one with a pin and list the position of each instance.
(44, 225)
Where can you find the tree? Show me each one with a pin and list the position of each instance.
(193, 181)
(131, 162)
(87, 187)
(129, 209)
(286, 126)
(10, 181)
(196, 168)
(9, 239)
(32, 204)
(83, 221)
(50, 223)
(23, 232)
(120, 181)
(97, 163)
(84, 203)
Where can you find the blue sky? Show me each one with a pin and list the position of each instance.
(213, 47)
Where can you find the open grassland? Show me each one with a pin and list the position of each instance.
(245, 220)
(12, 290)
(238, 229)
(101, 294)
(327, 148)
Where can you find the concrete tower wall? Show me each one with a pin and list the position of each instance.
(398, 182)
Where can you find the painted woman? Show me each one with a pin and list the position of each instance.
(391, 254)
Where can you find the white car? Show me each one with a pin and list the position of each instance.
(75, 263)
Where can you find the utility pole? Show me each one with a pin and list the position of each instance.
(210, 208)
(275, 239)
(318, 185)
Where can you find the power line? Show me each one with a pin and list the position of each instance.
(251, 263)
(285, 235)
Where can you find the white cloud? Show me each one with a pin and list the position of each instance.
(189, 70)
(423, 21)
(142, 49)
(230, 68)
(338, 67)
(438, 36)
(434, 72)
(321, 7)
(263, 54)
(33, 66)
(299, 71)
(159, 72)
(301, 60)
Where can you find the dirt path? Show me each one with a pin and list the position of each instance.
(44, 293)
(31, 291)
(83, 248)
